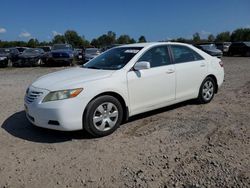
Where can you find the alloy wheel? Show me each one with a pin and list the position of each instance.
(105, 116)
(208, 90)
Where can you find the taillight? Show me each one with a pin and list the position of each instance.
(221, 63)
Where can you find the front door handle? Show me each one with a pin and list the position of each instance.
(170, 71)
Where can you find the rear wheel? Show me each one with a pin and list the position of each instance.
(10, 63)
(207, 90)
(247, 54)
(103, 116)
(39, 62)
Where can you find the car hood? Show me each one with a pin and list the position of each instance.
(30, 55)
(3, 55)
(213, 50)
(69, 78)
(91, 54)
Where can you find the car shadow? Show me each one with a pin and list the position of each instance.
(18, 126)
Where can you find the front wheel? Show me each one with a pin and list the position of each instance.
(39, 62)
(207, 90)
(247, 54)
(103, 116)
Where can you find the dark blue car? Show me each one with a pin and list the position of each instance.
(60, 54)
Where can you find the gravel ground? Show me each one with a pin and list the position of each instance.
(185, 145)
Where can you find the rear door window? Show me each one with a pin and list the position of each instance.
(183, 54)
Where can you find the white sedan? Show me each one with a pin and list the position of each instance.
(122, 82)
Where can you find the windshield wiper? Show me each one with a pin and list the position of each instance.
(92, 67)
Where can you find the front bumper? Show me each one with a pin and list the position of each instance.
(26, 62)
(59, 60)
(4, 62)
(63, 115)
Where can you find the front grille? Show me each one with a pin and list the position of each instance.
(60, 55)
(31, 96)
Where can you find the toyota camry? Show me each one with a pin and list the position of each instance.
(120, 83)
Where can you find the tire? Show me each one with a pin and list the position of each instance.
(38, 63)
(207, 91)
(102, 116)
(229, 53)
(71, 63)
(10, 63)
(247, 54)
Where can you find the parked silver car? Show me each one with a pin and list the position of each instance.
(211, 49)
(91, 53)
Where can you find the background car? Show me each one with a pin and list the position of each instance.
(45, 48)
(21, 49)
(223, 46)
(211, 49)
(79, 55)
(109, 47)
(30, 57)
(122, 82)
(61, 54)
(239, 48)
(10, 53)
(91, 53)
(3, 58)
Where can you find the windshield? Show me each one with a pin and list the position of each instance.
(33, 51)
(247, 43)
(91, 51)
(62, 46)
(114, 59)
(209, 46)
(46, 49)
(4, 51)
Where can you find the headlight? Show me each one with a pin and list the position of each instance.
(3, 58)
(71, 55)
(63, 94)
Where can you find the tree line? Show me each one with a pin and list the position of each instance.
(110, 38)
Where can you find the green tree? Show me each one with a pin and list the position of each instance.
(95, 43)
(45, 43)
(86, 43)
(105, 39)
(73, 38)
(223, 37)
(111, 37)
(182, 40)
(59, 39)
(211, 38)
(142, 39)
(242, 34)
(196, 38)
(33, 43)
(124, 39)
(132, 41)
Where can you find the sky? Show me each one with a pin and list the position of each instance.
(155, 19)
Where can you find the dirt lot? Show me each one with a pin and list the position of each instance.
(185, 145)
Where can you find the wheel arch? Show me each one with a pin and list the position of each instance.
(119, 98)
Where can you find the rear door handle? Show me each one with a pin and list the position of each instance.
(170, 71)
(203, 65)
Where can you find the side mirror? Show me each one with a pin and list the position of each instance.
(142, 65)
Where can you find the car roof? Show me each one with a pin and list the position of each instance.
(92, 49)
(148, 44)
